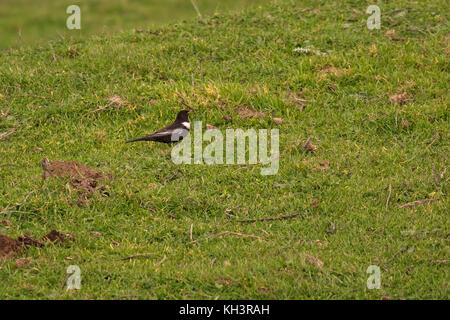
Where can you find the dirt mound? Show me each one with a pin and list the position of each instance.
(83, 178)
(69, 169)
(27, 240)
(10, 246)
(55, 236)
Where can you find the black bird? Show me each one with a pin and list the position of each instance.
(172, 133)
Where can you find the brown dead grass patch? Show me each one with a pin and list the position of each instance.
(333, 71)
(249, 113)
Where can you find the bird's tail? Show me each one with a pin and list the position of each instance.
(138, 139)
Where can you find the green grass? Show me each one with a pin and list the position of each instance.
(49, 91)
(24, 22)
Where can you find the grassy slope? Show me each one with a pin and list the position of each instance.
(25, 22)
(354, 128)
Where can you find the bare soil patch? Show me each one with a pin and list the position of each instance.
(85, 179)
(55, 236)
(10, 246)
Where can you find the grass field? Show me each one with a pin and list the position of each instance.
(25, 22)
(373, 102)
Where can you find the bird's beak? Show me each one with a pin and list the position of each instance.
(188, 106)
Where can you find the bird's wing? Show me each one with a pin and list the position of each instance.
(168, 129)
(172, 130)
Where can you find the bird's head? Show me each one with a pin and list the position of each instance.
(182, 116)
